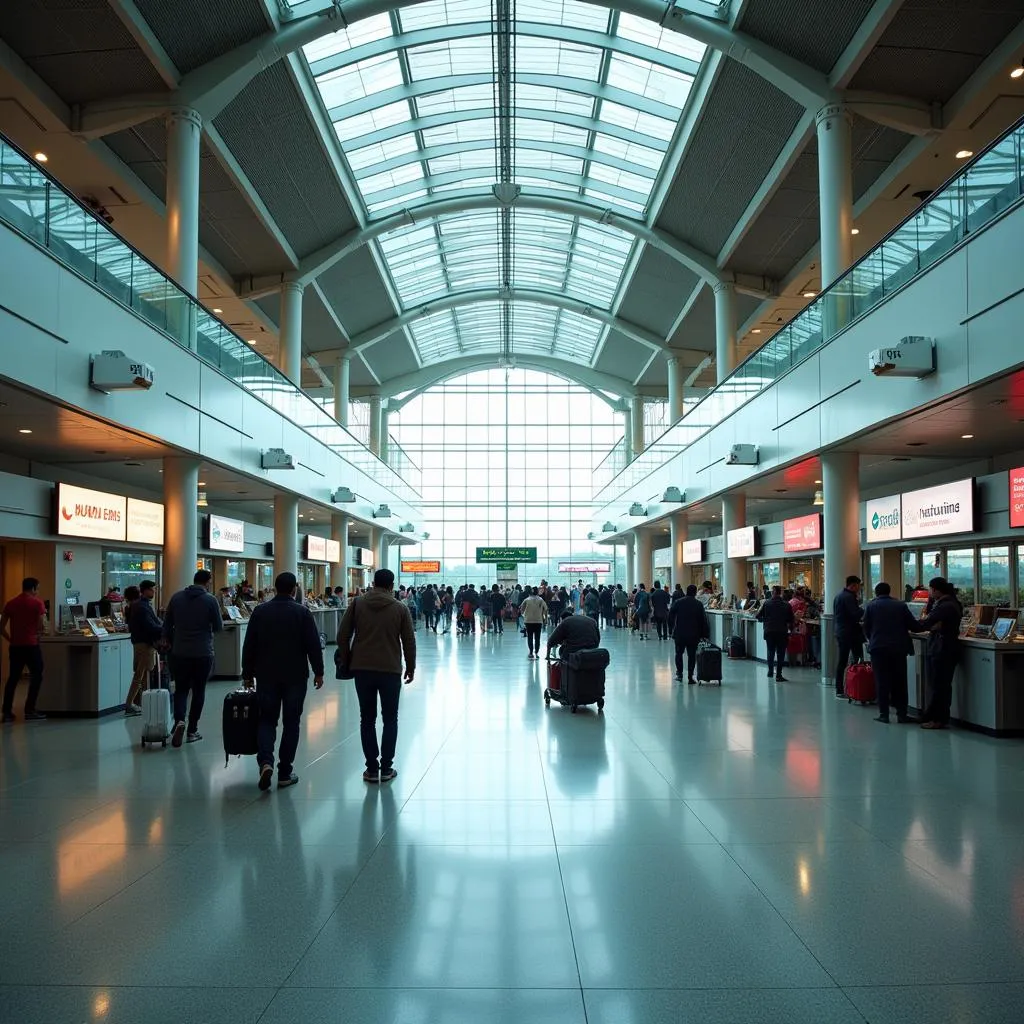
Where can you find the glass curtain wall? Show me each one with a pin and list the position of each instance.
(508, 458)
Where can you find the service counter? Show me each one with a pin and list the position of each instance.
(227, 650)
(988, 687)
(85, 676)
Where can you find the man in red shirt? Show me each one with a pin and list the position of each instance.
(21, 624)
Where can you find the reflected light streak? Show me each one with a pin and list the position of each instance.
(91, 851)
(953, 882)
(100, 1006)
(739, 731)
(803, 769)
(156, 832)
(804, 874)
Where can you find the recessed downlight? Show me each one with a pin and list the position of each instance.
(966, 437)
(809, 295)
(252, 341)
(963, 154)
(24, 430)
(1017, 72)
(40, 158)
(202, 483)
(854, 231)
(756, 330)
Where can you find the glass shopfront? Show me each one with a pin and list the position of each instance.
(235, 573)
(128, 568)
(994, 576)
(960, 568)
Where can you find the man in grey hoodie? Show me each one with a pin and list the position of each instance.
(192, 617)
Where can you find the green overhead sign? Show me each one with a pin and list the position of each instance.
(507, 566)
(488, 555)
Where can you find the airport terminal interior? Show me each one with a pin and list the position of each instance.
(498, 295)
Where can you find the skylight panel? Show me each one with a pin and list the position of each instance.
(473, 160)
(390, 179)
(635, 183)
(644, 124)
(379, 205)
(541, 97)
(563, 12)
(444, 12)
(450, 101)
(368, 156)
(455, 57)
(530, 129)
(648, 80)
(640, 30)
(594, 192)
(360, 80)
(538, 159)
(372, 121)
(535, 55)
(478, 130)
(631, 151)
(368, 30)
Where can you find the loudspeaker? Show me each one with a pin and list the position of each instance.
(268, 549)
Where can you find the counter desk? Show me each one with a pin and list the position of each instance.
(227, 650)
(327, 621)
(988, 687)
(85, 676)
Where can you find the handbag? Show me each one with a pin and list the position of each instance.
(343, 657)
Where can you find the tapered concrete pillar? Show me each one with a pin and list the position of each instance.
(627, 433)
(342, 370)
(184, 135)
(339, 534)
(644, 557)
(835, 190)
(385, 437)
(286, 533)
(725, 330)
(734, 570)
(375, 409)
(637, 430)
(181, 524)
(676, 388)
(677, 533)
(290, 352)
(630, 546)
(840, 477)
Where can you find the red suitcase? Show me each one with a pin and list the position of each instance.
(554, 675)
(859, 684)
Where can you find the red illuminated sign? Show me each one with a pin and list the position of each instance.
(803, 534)
(1017, 497)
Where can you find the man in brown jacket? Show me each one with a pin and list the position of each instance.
(376, 630)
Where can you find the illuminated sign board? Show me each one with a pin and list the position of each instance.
(421, 567)
(741, 543)
(484, 555)
(316, 549)
(333, 554)
(802, 534)
(585, 567)
(226, 534)
(364, 557)
(145, 523)
(936, 511)
(693, 552)
(1017, 497)
(94, 515)
(883, 519)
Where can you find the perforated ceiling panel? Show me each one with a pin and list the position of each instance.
(813, 32)
(81, 50)
(269, 131)
(392, 357)
(622, 357)
(746, 124)
(875, 147)
(657, 292)
(144, 149)
(355, 289)
(932, 47)
(195, 31)
(697, 331)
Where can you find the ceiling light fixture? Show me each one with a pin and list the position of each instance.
(809, 295)
(819, 498)
(41, 158)
(201, 501)
(817, 481)
(1018, 71)
(202, 483)
(252, 341)
(756, 330)
(216, 310)
(966, 437)
(963, 154)
(854, 231)
(24, 430)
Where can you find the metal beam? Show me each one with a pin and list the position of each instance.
(458, 300)
(317, 262)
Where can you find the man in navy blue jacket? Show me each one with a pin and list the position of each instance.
(281, 642)
(887, 625)
(847, 614)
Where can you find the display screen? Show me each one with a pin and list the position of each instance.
(82, 512)
(693, 552)
(936, 511)
(333, 553)
(226, 534)
(585, 567)
(802, 534)
(1017, 497)
(145, 522)
(316, 548)
(741, 543)
(421, 567)
(364, 557)
(1002, 627)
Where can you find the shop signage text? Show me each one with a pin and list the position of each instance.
(421, 567)
(364, 557)
(1017, 497)
(693, 552)
(507, 567)
(936, 511)
(585, 567)
(884, 519)
(517, 555)
(226, 534)
(741, 543)
(802, 534)
(93, 514)
(333, 554)
(316, 548)
(145, 522)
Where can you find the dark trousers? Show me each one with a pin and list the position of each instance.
(849, 647)
(24, 656)
(388, 687)
(286, 700)
(533, 637)
(661, 625)
(776, 644)
(690, 647)
(940, 670)
(190, 675)
(890, 668)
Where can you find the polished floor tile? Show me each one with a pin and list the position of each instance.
(754, 853)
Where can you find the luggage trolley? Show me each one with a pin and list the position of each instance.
(576, 679)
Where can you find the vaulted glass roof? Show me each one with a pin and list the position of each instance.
(588, 116)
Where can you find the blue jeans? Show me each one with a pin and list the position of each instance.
(190, 674)
(284, 699)
(369, 686)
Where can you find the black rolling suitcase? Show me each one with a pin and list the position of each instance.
(241, 723)
(709, 663)
(583, 674)
(735, 647)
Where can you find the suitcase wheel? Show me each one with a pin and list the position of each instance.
(163, 742)
(574, 709)
(600, 703)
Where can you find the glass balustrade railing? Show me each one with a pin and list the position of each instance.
(980, 192)
(36, 206)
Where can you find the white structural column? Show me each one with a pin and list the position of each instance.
(181, 524)
(644, 557)
(630, 562)
(677, 537)
(385, 426)
(676, 389)
(636, 409)
(383, 549)
(342, 369)
(835, 189)
(375, 424)
(286, 533)
(627, 433)
(840, 478)
(734, 570)
(339, 534)
(184, 133)
(725, 330)
(289, 360)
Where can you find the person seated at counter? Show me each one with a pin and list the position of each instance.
(339, 597)
(328, 599)
(707, 592)
(751, 593)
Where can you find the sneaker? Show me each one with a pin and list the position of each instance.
(781, 679)
(266, 776)
(371, 775)
(692, 681)
(34, 716)
(178, 735)
(193, 737)
(840, 695)
(287, 780)
(924, 725)
(387, 774)
(882, 718)
(137, 708)
(770, 673)
(679, 677)
(132, 712)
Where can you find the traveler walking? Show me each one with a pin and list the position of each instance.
(643, 611)
(497, 602)
(688, 624)
(606, 601)
(146, 630)
(574, 633)
(447, 604)
(620, 601)
(660, 604)
(776, 615)
(21, 624)
(847, 615)
(374, 636)
(887, 627)
(535, 614)
(282, 641)
(592, 603)
(192, 617)
(428, 604)
(943, 650)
